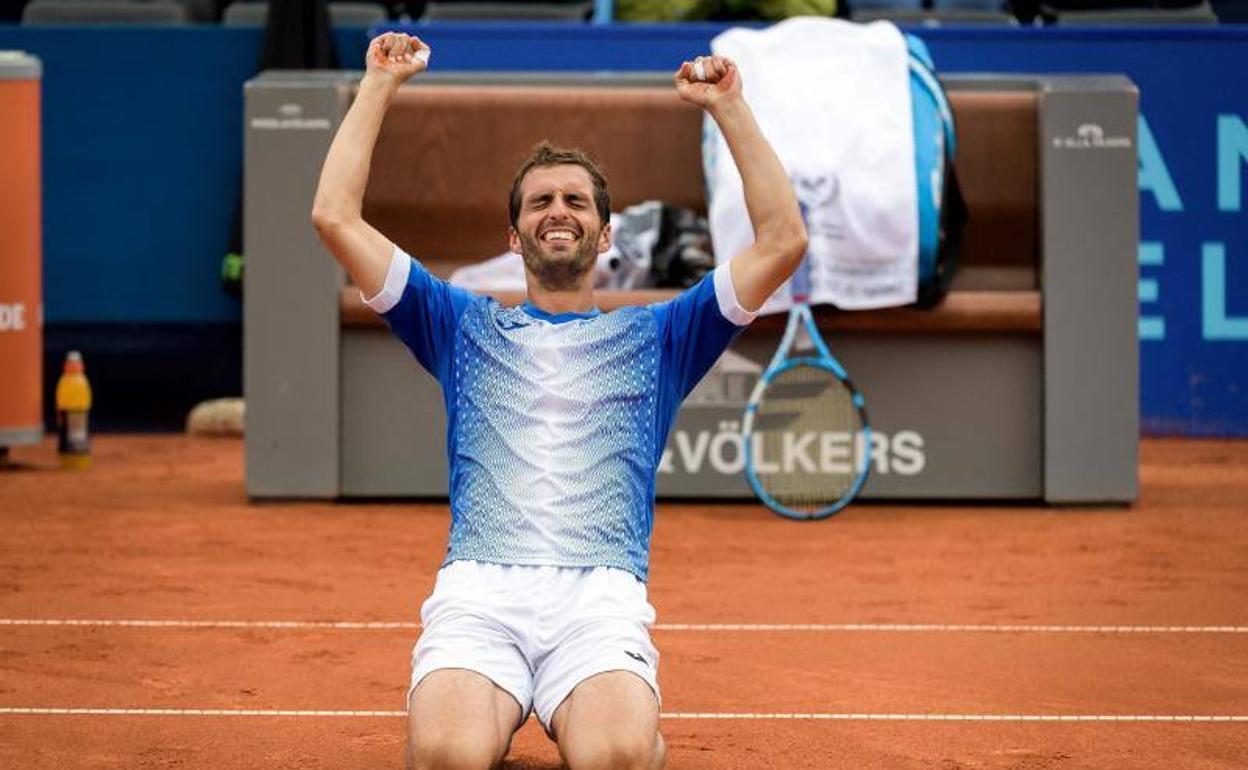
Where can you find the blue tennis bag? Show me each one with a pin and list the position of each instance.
(942, 210)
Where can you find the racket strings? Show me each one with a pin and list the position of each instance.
(807, 442)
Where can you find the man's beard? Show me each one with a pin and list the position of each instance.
(559, 272)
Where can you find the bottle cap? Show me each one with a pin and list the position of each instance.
(73, 363)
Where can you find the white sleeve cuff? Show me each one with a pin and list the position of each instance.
(726, 296)
(396, 279)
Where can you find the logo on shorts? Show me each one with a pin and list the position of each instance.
(635, 656)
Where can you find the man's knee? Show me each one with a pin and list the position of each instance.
(459, 719)
(620, 750)
(449, 752)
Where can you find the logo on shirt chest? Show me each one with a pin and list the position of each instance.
(510, 322)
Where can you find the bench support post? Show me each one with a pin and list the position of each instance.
(1089, 238)
(291, 287)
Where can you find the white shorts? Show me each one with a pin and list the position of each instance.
(536, 632)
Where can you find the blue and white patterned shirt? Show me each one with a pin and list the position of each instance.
(556, 423)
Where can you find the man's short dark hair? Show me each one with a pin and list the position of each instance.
(545, 154)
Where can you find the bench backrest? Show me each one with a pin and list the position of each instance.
(446, 154)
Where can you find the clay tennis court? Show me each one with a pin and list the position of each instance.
(153, 618)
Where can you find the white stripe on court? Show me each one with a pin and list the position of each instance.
(331, 625)
(955, 627)
(193, 712)
(344, 625)
(794, 716)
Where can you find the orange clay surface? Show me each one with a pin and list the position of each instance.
(160, 529)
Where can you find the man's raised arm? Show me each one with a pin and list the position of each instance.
(714, 83)
(337, 211)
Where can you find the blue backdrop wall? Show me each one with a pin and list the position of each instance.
(143, 146)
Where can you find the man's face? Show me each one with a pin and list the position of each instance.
(558, 231)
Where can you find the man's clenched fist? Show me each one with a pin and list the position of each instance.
(708, 81)
(397, 56)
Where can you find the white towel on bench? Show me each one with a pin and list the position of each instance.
(833, 99)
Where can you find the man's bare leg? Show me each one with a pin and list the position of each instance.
(610, 721)
(459, 719)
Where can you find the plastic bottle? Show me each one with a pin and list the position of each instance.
(73, 403)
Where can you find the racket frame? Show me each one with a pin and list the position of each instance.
(781, 362)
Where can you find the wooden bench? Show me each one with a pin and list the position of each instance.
(447, 199)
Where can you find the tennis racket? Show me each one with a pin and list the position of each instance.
(807, 441)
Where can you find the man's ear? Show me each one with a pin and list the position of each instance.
(604, 239)
(513, 240)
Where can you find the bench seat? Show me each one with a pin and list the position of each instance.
(963, 311)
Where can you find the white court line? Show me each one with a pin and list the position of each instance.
(343, 625)
(277, 624)
(194, 712)
(665, 715)
(947, 627)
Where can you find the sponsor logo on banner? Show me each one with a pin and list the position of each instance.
(291, 119)
(728, 384)
(720, 449)
(12, 317)
(1091, 136)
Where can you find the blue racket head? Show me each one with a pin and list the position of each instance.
(807, 437)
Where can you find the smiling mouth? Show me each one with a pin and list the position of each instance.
(559, 235)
